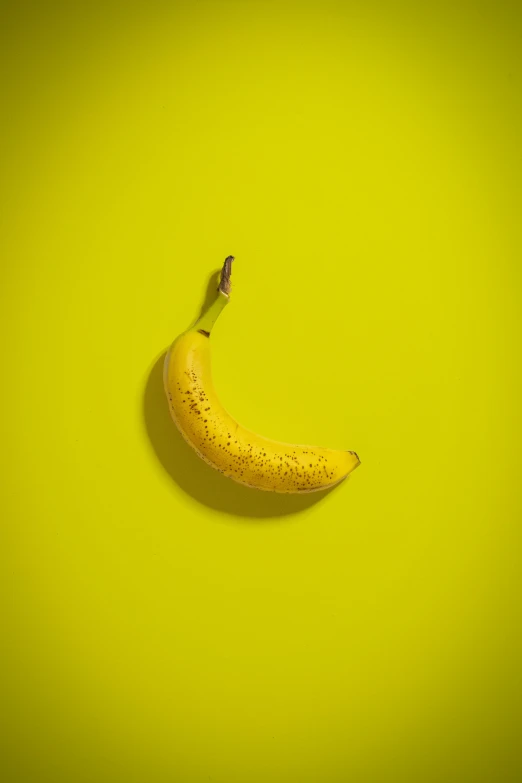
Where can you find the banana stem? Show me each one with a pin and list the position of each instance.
(224, 283)
(210, 316)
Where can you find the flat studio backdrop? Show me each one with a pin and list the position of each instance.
(361, 161)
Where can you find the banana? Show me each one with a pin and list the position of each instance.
(221, 441)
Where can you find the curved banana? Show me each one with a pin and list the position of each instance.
(223, 443)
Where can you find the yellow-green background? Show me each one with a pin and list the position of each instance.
(362, 161)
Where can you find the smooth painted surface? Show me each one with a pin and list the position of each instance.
(362, 162)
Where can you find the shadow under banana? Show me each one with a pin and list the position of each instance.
(192, 474)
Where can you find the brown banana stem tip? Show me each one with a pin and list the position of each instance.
(224, 283)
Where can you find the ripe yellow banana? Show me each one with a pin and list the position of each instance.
(223, 443)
